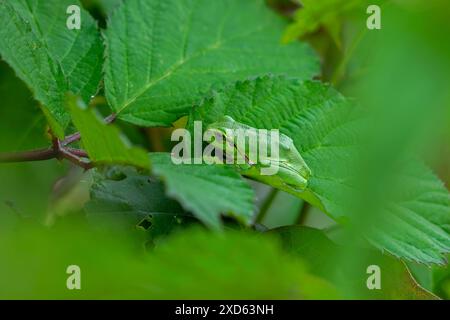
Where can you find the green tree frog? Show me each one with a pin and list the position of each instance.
(268, 156)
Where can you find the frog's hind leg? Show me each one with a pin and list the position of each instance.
(292, 179)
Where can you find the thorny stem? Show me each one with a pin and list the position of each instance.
(59, 150)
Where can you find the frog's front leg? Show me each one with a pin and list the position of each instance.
(292, 179)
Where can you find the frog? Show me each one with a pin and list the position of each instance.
(288, 169)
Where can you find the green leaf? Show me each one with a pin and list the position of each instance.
(206, 191)
(104, 143)
(233, 266)
(18, 107)
(325, 128)
(304, 111)
(417, 226)
(422, 274)
(48, 57)
(192, 265)
(346, 266)
(441, 280)
(124, 199)
(165, 55)
(109, 5)
(325, 13)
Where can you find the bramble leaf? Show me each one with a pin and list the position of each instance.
(193, 264)
(49, 57)
(330, 261)
(325, 13)
(165, 55)
(325, 128)
(236, 266)
(124, 199)
(108, 6)
(206, 191)
(104, 143)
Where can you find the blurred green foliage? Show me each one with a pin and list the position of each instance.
(190, 265)
(399, 74)
(22, 125)
(25, 188)
(339, 265)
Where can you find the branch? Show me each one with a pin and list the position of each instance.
(77, 152)
(25, 156)
(59, 150)
(75, 159)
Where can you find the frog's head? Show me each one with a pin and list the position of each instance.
(293, 169)
(290, 157)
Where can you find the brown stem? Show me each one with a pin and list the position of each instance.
(71, 139)
(25, 156)
(79, 161)
(77, 152)
(59, 150)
